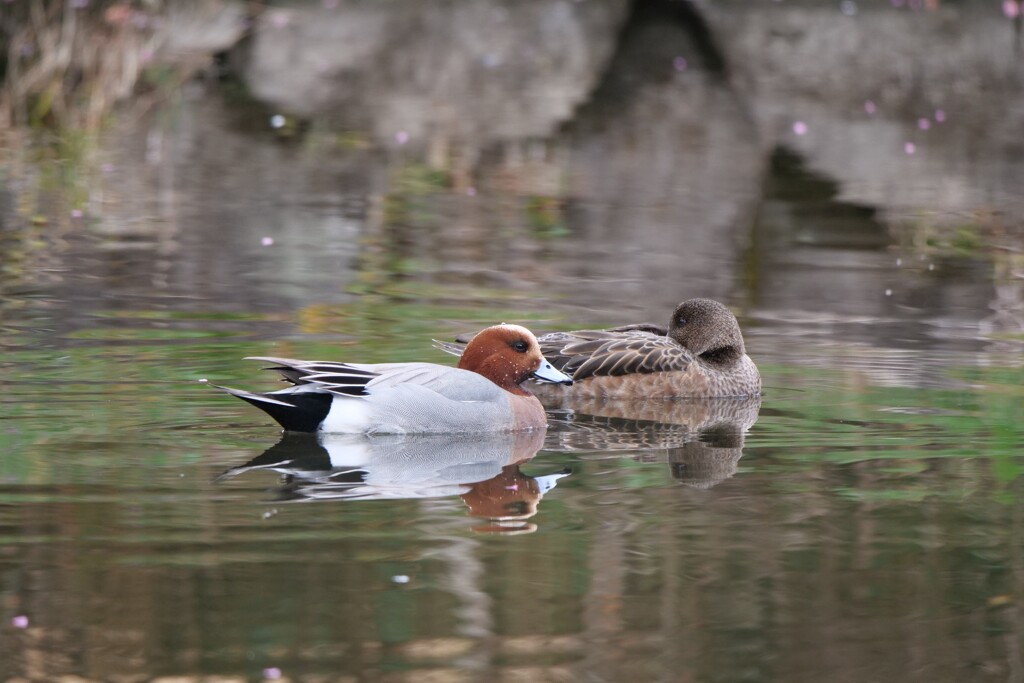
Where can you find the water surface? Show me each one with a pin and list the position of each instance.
(862, 522)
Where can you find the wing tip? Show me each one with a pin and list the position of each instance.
(454, 348)
(250, 396)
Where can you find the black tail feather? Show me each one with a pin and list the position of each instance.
(299, 412)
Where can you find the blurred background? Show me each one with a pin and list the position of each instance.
(186, 183)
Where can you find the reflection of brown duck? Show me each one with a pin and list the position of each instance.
(482, 469)
(699, 354)
(709, 460)
(702, 440)
(596, 424)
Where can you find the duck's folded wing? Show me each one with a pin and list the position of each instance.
(452, 383)
(360, 379)
(650, 328)
(622, 355)
(338, 378)
(455, 348)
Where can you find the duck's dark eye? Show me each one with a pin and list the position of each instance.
(681, 322)
(520, 346)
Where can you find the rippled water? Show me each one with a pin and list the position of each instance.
(862, 523)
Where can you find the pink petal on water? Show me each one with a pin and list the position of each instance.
(800, 128)
(280, 19)
(909, 147)
(939, 116)
(869, 107)
(923, 123)
(267, 241)
(20, 621)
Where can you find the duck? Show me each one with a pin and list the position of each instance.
(700, 354)
(483, 394)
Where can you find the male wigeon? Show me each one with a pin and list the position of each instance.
(699, 355)
(482, 395)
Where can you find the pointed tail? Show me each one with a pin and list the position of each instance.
(295, 412)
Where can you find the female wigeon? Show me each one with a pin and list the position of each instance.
(482, 395)
(699, 355)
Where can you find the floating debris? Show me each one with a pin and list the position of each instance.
(280, 19)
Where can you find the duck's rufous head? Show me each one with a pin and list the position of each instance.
(508, 355)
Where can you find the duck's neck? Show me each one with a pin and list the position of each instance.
(500, 371)
(723, 356)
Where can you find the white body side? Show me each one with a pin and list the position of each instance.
(421, 398)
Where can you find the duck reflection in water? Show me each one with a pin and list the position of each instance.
(701, 439)
(483, 469)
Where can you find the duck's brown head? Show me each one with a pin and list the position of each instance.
(709, 330)
(508, 355)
